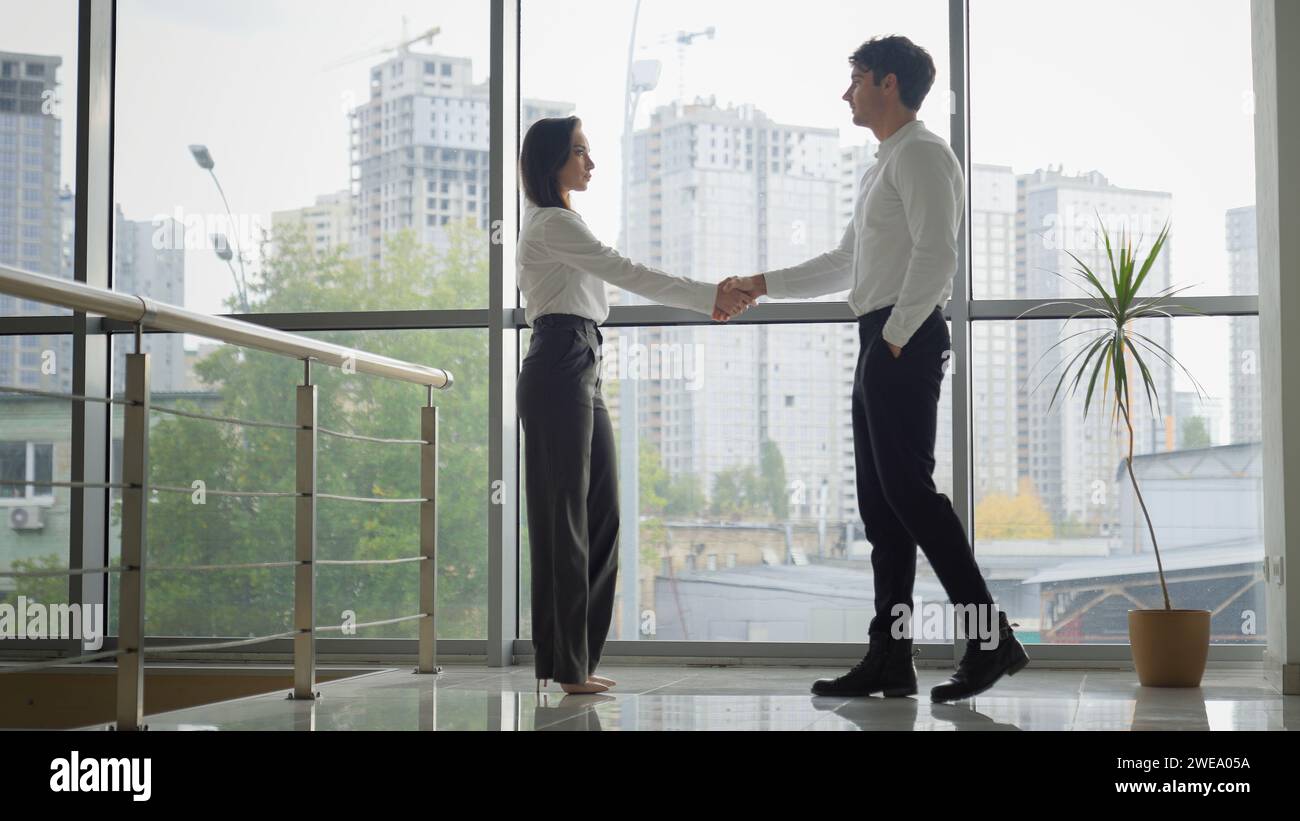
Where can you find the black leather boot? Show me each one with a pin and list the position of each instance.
(980, 669)
(886, 668)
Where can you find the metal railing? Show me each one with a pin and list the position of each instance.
(143, 312)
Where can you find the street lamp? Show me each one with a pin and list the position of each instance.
(204, 159)
(222, 246)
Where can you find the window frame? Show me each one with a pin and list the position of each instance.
(504, 320)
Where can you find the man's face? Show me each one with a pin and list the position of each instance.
(575, 173)
(866, 100)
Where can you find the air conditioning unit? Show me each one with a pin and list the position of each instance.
(26, 518)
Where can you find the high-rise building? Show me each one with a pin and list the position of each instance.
(32, 213)
(326, 226)
(713, 192)
(30, 154)
(36, 216)
(146, 262)
(1244, 366)
(67, 232)
(993, 344)
(1071, 461)
(420, 150)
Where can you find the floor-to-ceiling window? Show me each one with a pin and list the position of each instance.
(722, 146)
(38, 128)
(325, 168)
(1076, 123)
(329, 162)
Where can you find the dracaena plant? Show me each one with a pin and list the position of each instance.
(1113, 349)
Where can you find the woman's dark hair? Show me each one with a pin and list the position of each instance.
(545, 151)
(902, 58)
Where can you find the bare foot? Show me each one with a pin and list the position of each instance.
(608, 682)
(588, 688)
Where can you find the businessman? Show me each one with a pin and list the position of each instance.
(898, 257)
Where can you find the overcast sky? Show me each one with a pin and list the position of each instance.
(1112, 86)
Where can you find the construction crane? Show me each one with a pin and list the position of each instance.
(402, 46)
(684, 39)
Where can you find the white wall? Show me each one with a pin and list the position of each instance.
(1275, 32)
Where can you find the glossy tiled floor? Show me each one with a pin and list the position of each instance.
(466, 697)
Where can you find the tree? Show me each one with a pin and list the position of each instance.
(652, 533)
(654, 480)
(683, 498)
(1195, 433)
(727, 497)
(1023, 516)
(772, 478)
(44, 589)
(257, 386)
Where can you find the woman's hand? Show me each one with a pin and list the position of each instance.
(731, 301)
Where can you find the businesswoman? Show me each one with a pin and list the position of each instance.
(571, 477)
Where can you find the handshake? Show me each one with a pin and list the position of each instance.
(736, 295)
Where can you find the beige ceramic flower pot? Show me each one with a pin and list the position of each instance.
(1169, 646)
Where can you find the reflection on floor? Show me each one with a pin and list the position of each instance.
(472, 697)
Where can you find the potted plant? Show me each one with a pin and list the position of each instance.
(1169, 646)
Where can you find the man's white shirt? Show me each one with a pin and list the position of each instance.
(900, 248)
(563, 269)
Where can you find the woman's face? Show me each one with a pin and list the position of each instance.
(574, 174)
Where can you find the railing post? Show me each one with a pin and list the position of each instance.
(135, 501)
(304, 529)
(428, 537)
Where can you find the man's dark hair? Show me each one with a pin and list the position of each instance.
(902, 58)
(546, 149)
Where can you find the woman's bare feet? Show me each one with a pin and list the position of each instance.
(608, 682)
(587, 688)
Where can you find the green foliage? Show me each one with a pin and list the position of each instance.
(1113, 345)
(1116, 345)
(748, 492)
(1195, 433)
(664, 496)
(1074, 528)
(44, 589)
(683, 497)
(772, 479)
(653, 480)
(252, 385)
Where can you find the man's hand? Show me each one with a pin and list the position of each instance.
(894, 349)
(756, 285)
(731, 302)
(751, 288)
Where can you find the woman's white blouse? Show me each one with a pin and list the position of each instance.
(563, 269)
